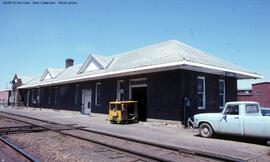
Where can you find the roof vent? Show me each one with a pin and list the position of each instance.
(69, 62)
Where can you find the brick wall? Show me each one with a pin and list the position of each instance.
(165, 93)
(260, 93)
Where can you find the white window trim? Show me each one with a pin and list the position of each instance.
(224, 94)
(118, 89)
(97, 83)
(134, 86)
(204, 94)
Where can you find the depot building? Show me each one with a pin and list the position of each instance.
(158, 76)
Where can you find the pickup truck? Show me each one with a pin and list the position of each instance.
(237, 118)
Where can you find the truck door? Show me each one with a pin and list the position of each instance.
(230, 122)
(253, 121)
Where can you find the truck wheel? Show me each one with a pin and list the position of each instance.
(205, 130)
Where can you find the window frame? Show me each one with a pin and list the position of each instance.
(97, 95)
(49, 96)
(251, 105)
(232, 105)
(119, 91)
(33, 96)
(135, 83)
(55, 95)
(203, 107)
(224, 93)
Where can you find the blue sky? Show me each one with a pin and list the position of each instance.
(33, 37)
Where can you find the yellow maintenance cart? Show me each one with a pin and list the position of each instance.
(123, 112)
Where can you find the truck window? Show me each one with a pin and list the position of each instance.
(252, 108)
(232, 110)
(265, 112)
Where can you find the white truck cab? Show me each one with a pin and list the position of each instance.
(237, 118)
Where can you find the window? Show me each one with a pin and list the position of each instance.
(38, 96)
(120, 90)
(232, 110)
(33, 96)
(265, 111)
(221, 92)
(140, 81)
(49, 96)
(135, 83)
(76, 97)
(201, 92)
(98, 93)
(55, 95)
(252, 108)
(63, 90)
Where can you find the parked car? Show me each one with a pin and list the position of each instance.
(265, 111)
(237, 118)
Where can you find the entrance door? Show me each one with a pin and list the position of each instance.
(86, 101)
(140, 94)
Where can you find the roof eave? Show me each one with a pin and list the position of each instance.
(155, 68)
(226, 72)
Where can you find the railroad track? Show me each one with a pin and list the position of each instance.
(10, 152)
(149, 151)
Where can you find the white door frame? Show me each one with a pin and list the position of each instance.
(84, 104)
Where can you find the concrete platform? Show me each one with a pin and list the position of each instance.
(160, 131)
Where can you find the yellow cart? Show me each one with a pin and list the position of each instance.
(123, 112)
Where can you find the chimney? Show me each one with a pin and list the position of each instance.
(69, 62)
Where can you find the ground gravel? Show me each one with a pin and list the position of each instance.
(52, 146)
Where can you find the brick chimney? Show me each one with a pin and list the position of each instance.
(69, 62)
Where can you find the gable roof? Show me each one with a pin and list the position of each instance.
(55, 71)
(52, 72)
(104, 61)
(24, 79)
(163, 56)
(101, 62)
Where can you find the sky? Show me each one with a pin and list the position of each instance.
(36, 36)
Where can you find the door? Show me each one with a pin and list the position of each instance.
(254, 122)
(230, 122)
(86, 101)
(140, 94)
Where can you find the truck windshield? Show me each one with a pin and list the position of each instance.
(252, 109)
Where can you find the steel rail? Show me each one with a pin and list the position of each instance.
(179, 149)
(130, 151)
(20, 151)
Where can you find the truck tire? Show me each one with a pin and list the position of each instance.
(206, 130)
